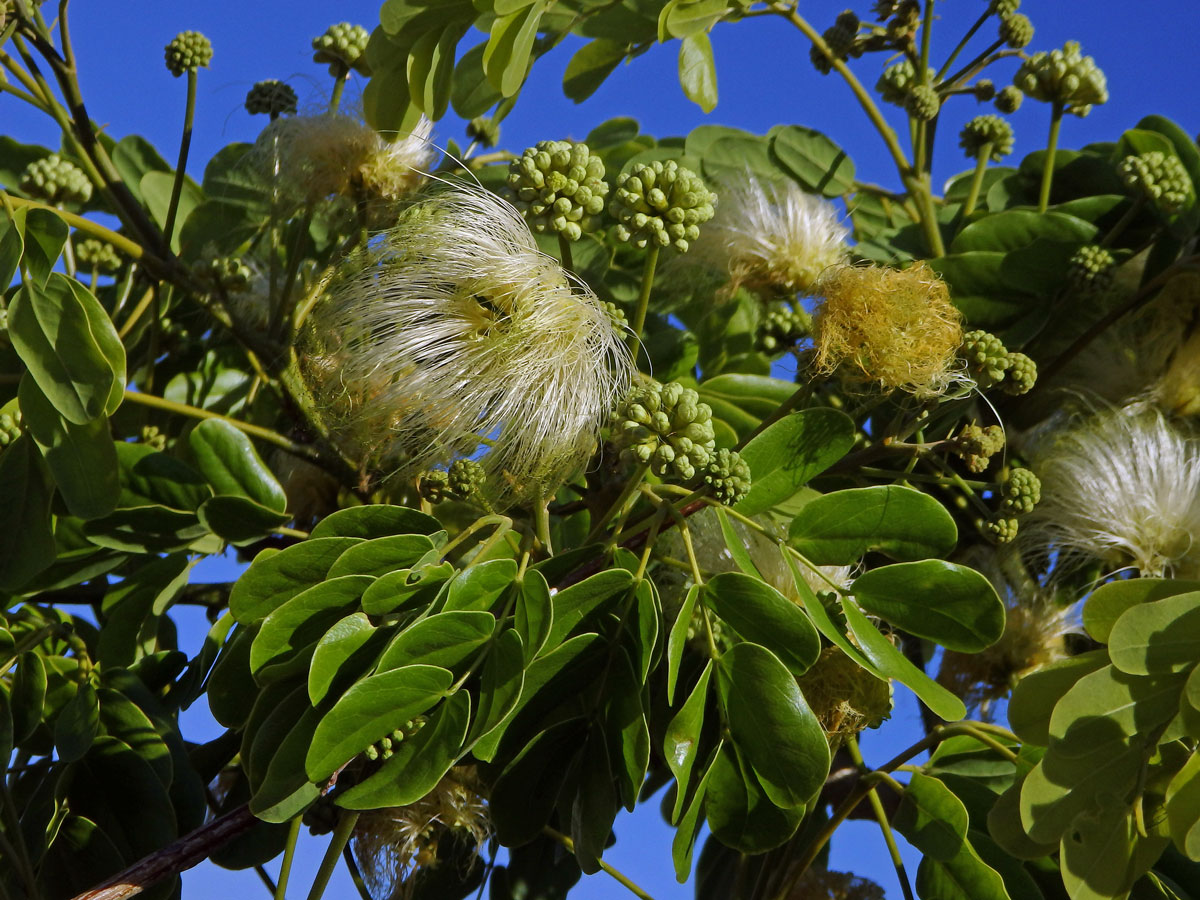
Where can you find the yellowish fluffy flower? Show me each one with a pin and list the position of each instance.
(452, 331)
(895, 328)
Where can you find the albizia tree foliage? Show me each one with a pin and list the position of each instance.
(534, 529)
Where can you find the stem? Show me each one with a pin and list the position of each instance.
(564, 249)
(339, 85)
(1122, 223)
(19, 854)
(1056, 114)
(639, 317)
(281, 314)
(137, 312)
(621, 878)
(289, 852)
(341, 837)
(185, 143)
(881, 817)
(355, 874)
(962, 45)
(541, 519)
(122, 243)
(635, 481)
(985, 153)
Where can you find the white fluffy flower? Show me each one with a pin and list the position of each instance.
(1123, 486)
(453, 330)
(772, 236)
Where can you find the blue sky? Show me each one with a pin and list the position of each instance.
(764, 77)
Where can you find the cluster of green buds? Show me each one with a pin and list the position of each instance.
(902, 17)
(433, 485)
(990, 363)
(665, 427)
(1003, 8)
(1008, 100)
(384, 748)
(985, 90)
(922, 102)
(10, 427)
(56, 180)
(978, 444)
(1091, 271)
(226, 274)
(1016, 30)
(727, 477)
(559, 187)
(781, 328)
(189, 51)
(1000, 528)
(897, 82)
(462, 481)
(1063, 76)
(1158, 177)
(484, 130)
(1020, 491)
(272, 98)
(343, 46)
(842, 40)
(97, 256)
(661, 204)
(152, 437)
(983, 131)
(616, 315)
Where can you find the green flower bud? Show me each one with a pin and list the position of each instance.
(667, 428)
(98, 255)
(841, 38)
(1009, 99)
(434, 485)
(897, 82)
(485, 130)
(985, 90)
(1021, 375)
(1020, 491)
(977, 445)
(559, 187)
(271, 97)
(661, 203)
(10, 428)
(1159, 177)
(465, 479)
(616, 315)
(152, 437)
(781, 328)
(226, 273)
(1091, 270)
(1004, 8)
(727, 476)
(1016, 31)
(189, 51)
(983, 130)
(922, 102)
(1001, 529)
(986, 358)
(1063, 76)
(56, 180)
(343, 46)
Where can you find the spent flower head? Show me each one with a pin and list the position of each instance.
(271, 97)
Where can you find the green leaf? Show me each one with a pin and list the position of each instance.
(1183, 808)
(52, 332)
(431, 68)
(418, 763)
(816, 162)
(232, 466)
(1108, 702)
(947, 603)
(1159, 637)
(595, 805)
(790, 452)
(133, 609)
(534, 613)
(145, 529)
(1034, 697)
(506, 57)
(1015, 228)
(371, 709)
(375, 521)
(134, 156)
(125, 720)
(744, 400)
(682, 738)
(446, 639)
(284, 792)
(480, 586)
(697, 70)
(906, 524)
(501, 685)
(677, 639)
(1103, 854)
(963, 877)
(12, 246)
(576, 603)
(762, 615)
(626, 729)
(77, 724)
(338, 654)
(274, 579)
(382, 555)
(28, 695)
(153, 478)
(28, 547)
(739, 812)
(231, 686)
(1109, 602)
(771, 724)
(301, 621)
(407, 589)
(687, 828)
(729, 158)
(887, 659)
(239, 520)
(525, 793)
(156, 189)
(471, 94)
(591, 64)
(931, 818)
(45, 233)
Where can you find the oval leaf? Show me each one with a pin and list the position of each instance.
(762, 615)
(792, 451)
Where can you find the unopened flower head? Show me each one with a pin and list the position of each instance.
(453, 330)
(772, 237)
(895, 328)
(1123, 486)
(320, 156)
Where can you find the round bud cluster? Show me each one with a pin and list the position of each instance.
(1021, 375)
(616, 315)
(661, 203)
(986, 358)
(272, 98)
(343, 46)
(977, 445)
(227, 274)
(1016, 31)
(465, 478)
(56, 180)
(99, 256)
(905, 19)
(922, 102)
(727, 476)
(1004, 8)
(666, 427)
(985, 90)
(898, 81)
(152, 437)
(1063, 76)
(1091, 270)
(984, 130)
(559, 187)
(781, 328)
(1159, 177)
(1001, 529)
(434, 485)
(10, 428)
(189, 51)
(484, 130)
(1009, 99)
(841, 38)
(1021, 491)
(385, 747)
